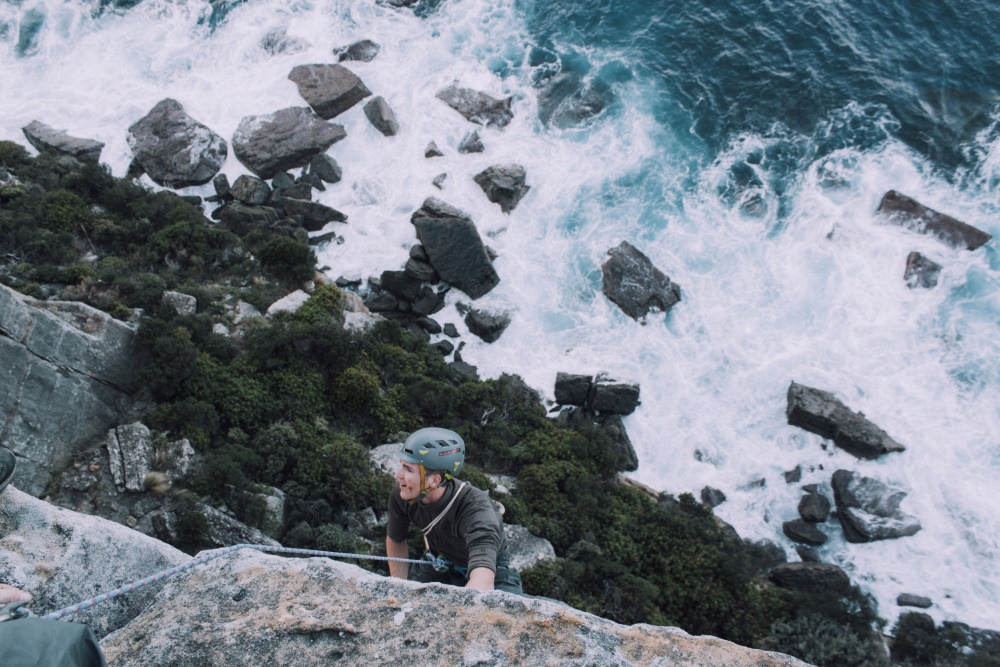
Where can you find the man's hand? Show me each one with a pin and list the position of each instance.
(397, 550)
(10, 594)
(481, 579)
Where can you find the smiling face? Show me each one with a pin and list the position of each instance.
(408, 477)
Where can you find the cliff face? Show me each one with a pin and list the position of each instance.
(257, 609)
(64, 371)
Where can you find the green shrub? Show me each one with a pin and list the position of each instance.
(324, 304)
(62, 210)
(287, 260)
(77, 273)
(821, 641)
(12, 154)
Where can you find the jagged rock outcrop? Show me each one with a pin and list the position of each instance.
(478, 107)
(906, 211)
(810, 577)
(869, 510)
(471, 143)
(381, 116)
(920, 271)
(486, 324)
(633, 284)
(454, 247)
(821, 413)
(174, 149)
(65, 373)
(329, 89)
(47, 139)
(253, 608)
(503, 185)
(283, 140)
(62, 558)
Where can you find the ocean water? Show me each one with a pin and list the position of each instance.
(743, 147)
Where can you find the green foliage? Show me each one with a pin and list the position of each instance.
(192, 532)
(325, 304)
(287, 260)
(12, 154)
(77, 273)
(821, 641)
(61, 210)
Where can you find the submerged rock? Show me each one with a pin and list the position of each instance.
(47, 139)
(869, 510)
(636, 286)
(920, 271)
(821, 413)
(903, 210)
(286, 139)
(471, 143)
(364, 50)
(478, 107)
(454, 247)
(329, 89)
(567, 100)
(175, 150)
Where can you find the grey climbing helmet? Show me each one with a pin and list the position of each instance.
(435, 449)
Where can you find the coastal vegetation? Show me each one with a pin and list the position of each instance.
(296, 401)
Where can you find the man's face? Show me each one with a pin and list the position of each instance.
(408, 477)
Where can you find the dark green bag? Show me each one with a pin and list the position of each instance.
(42, 642)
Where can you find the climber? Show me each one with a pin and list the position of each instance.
(462, 527)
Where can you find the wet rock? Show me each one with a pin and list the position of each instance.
(277, 42)
(812, 577)
(803, 532)
(283, 180)
(47, 139)
(503, 185)
(636, 286)
(712, 497)
(567, 100)
(902, 210)
(794, 475)
(478, 107)
(315, 216)
(429, 325)
(250, 190)
(868, 510)
(454, 247)
(920, 271)
(419, 270)
(471, 143)
(286, 139)
(450, 330)
(814, 507)
(573, 389)
(364, 50)
(439, 180)
(382, 303)
(445, 347)
(175, 150)
(432, 151)
(381, 116)
(222, 188)
(821, 413)
(329, 89)
(402, 285)
(911, 600)
(808, 554)
(487, 325)
(326, 168)
(621, 444)
(607, 396)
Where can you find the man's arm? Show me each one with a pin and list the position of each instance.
(394, 549)
(481, 578)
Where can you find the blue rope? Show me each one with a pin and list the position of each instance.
(212, 555)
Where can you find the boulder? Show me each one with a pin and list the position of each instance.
(607, 396)
(573, 389)
(63, 558)
(283, 180)
(47, 139)
(821, 413)
(130, 456)
(67, 371)
(326, 168)
(240, 218)
(381, 117)
(329, 89)
(621, 444)
(250, 190)
(419, 270)
(503, 184)
(432, 150)
(454, 247)
(808, 554)
(315, 216)
(869, 510)
(428, 302)
(902, 210)
(478, 107)
(450, 330)
(487, 325)
(811, 577)
(911, 600)
(636, 286)
(288, 303)
(712, 497)
(526, 549)
(471, 143)
(301, 191)
(259, 609)
(814, 507)
(567, 100)
(402, 285)
(175, 150)
(803, 532)
(182, 304)
(286, 139)
(222, 188)
(438, 181)
(920, 271)
(364, 50)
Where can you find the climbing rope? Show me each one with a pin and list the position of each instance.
(212, 555)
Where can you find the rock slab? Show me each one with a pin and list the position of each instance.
(478, 107)
(174, 149)
(47, 139)
(869, 509)
(633, 284)
(454, 247)
(906, 211)
(286, 139)
(329, 89)
(503, 185)
(821, 413)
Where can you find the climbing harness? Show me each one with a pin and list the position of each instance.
(15, 610)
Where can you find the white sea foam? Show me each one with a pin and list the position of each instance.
(812, 294)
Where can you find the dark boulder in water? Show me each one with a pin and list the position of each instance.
(608, 396)
(329, 89)
(814, 507)
(503, 185)
(911, 600)
(286, 139)
(175, 150)
(920, 271)
(573, 389)
(621, 444)
(908, 212)
(821, 413)
(381, 116)
(487, 325)
(811, 577)
(712, 496)
(250, 190)
(635, 285)
(567, 100)
(364, 50)
(454, 247)
(241, 219)
(471, 143)
(869, 510)
(314, 215)
(803, 532)
(47, 139)
(326, 168)
(478, 107)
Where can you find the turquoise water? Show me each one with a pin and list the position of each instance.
(744, 147)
